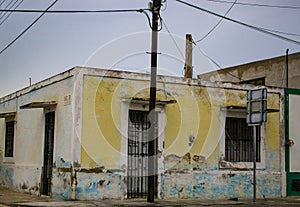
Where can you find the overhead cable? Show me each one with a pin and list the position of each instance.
(172, 37)
(241, 23)
(12, 42)
(2, 2)
(62, 11)
(6, 7)
(105, 11)
(215, 63)
(280, 32)
(258, 5)
(10, 12)
(73, 11)
(219, 22)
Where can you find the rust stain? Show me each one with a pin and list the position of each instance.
(187, 157)
(199, 158)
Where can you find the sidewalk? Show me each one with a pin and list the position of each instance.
(18, 199)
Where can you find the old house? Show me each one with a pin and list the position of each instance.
(82, 135)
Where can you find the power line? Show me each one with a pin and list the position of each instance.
(63, 11)
(109, 11)
(11, 1)
(257, 5)
(241, 23)
(2, 2)
(280, 32)
(269, 30)
(173, 39)
(73, 11)
(11, 12)
(12, 42)
(219, 22)
(214, 62)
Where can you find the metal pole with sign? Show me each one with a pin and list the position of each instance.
(256, 115)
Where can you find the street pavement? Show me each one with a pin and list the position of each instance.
(19, 199)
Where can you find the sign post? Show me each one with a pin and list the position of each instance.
(256, 115)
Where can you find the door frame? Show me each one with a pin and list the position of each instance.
(126, 106)
(289, 175)
(138, 158)
(47, 192)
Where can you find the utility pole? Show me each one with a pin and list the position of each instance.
(152, 138)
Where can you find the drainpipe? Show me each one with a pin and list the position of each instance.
(73, 185)
(287, 68)
(188, 68)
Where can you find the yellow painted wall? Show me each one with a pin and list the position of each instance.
(196, 113)
(100, 138)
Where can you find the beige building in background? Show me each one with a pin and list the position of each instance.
(269, 72)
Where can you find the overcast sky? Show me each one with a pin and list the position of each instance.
(58, 42)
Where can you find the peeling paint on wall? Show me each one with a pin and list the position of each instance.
(61, 163)
(20, 178)
(61, 184)
(222, 185)
(192, 166)
(93, 186)
(6, 177)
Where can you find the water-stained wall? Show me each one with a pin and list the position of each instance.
(192, 163)
(23, 171)
(91, 137)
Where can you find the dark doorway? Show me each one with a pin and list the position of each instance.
(48, 153)
(137, 182)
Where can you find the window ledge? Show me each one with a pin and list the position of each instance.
(8, 160)
(240, 165)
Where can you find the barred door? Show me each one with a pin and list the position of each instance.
(138, 125)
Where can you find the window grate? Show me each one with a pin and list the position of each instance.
(9, 138)
(239, 141)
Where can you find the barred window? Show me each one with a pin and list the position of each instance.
(9, 139)
(239, 141)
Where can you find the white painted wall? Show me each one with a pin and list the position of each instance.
(29, 134)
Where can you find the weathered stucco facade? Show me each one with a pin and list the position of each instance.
(92, 137)
(272, 71)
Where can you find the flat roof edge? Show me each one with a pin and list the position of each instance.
(40, 84)
(134, 76)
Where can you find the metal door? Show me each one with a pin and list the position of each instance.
(137, 182)
(292, 114)
(48, 153)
